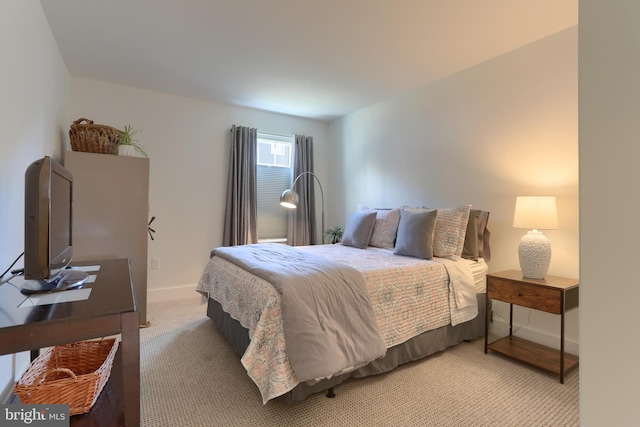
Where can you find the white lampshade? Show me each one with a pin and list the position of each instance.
(534, 251)
(536, 212)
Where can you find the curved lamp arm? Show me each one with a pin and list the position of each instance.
(289, 198)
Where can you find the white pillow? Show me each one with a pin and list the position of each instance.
(451, 227)
(385, 228)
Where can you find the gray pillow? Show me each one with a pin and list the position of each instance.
(357, 232)
(470, 249)
(484, 247)
(415, 233)
(476, 240)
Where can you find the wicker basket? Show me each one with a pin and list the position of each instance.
(72, 374)
(90, 138)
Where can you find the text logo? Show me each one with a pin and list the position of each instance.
(34, 415)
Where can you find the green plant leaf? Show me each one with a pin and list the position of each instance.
(127, 138)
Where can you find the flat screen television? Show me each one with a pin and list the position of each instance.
(48, 243)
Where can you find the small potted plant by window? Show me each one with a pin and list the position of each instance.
(128, 145)
(334, 234)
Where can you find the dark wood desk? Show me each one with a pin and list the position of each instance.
(110, 310)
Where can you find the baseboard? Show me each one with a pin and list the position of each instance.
(169, 294)
(500, 327)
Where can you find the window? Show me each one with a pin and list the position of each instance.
(274, 175)
(274, 152)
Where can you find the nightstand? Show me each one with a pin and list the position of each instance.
(552, 294)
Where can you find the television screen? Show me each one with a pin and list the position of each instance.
(48, 247)
(61, 219)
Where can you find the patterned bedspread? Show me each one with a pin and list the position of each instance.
(409, 296)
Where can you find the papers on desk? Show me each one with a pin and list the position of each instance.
(64, 296)
(87, 268)
(57, 297)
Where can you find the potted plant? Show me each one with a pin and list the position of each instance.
(334, 234)
(128, 145)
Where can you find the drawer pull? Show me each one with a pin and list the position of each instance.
(519, 294)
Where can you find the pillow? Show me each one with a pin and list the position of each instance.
(476, 240)
(358, 230)
(484, 249)
(415, 233)
(385, 227)
(451, 227)
(470, 249)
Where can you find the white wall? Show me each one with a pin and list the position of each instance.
(609, 198)
(504, 128)
(188, 142)
(33, 115)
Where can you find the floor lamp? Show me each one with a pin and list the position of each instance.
(289, 198)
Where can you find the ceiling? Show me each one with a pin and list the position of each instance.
(320, 59)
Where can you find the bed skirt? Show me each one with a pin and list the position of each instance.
(421, 346)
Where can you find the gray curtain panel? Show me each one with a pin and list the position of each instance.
(302, 221)
(240, 219)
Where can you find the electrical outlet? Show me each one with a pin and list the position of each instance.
(155, 263)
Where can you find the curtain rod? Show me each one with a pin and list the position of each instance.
(272, 134)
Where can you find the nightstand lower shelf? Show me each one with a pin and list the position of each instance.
(533, 354)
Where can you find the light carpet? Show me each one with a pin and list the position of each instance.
(191, 377)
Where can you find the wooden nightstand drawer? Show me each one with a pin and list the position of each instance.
(525, 295)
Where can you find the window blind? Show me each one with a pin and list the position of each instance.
(274, 175)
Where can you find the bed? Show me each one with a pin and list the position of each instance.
(417, 303)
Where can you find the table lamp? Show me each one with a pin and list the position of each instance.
(534, 251)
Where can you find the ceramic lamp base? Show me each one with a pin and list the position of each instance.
(534, 252)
